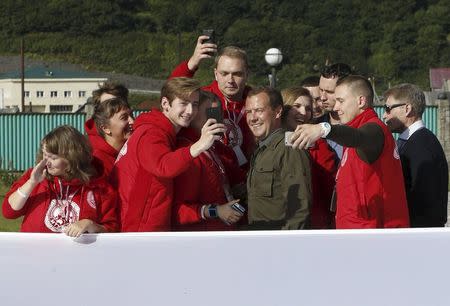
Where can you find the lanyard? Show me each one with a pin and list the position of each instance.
(234, 119)
(226, 185)
(64, 200)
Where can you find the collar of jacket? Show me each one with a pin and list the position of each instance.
(362, 118)
(97, 141)
(268, 141)
(215, 89)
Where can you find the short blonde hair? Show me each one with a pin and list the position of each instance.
(233, 52)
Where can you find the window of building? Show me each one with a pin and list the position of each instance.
(60, 108)
(27, 94)
(82, 94)
(67, 94)
(39, 94)
(53, 94)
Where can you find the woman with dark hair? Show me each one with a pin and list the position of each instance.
(297, 110)
(110, 128)
(60, 194)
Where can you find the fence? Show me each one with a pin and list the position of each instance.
(20, 134)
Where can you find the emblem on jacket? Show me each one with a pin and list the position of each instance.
(233, 133)
(91, 200)
(60, 214)
(396, 154)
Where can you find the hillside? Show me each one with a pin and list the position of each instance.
(392, 41)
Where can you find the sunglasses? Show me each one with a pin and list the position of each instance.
(388, 108)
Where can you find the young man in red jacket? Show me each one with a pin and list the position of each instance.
(231, 73)
(369, 182)
(149, 161)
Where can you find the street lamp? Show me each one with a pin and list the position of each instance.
(273, 58)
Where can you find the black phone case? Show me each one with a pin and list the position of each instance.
(211, 35)
(215, 113)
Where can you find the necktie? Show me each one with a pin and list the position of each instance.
(400, 144)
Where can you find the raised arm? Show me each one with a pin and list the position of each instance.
(201, 51)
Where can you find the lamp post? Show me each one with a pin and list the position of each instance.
(273, 57)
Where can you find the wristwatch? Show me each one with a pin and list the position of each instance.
(212, 211)
(326, 129)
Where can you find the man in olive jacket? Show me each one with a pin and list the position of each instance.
(279, 180)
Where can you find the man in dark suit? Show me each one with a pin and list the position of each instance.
(425, 167)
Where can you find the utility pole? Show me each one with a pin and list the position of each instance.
(22, 73)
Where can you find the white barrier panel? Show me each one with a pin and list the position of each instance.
(374, 267)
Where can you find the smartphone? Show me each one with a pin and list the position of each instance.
(287, 139)
(216, 113)
(239, 208)
(210, 33)
(211, 40)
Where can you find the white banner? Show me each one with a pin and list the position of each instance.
(360, 267)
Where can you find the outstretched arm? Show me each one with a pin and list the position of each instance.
(368, 139)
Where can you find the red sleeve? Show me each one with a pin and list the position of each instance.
(107, 211)
(187, 193)
(182, 70)
(7, 210)
(156, 156)
(325, 158)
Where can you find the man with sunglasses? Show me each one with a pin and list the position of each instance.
(369, 183)
(425, 167)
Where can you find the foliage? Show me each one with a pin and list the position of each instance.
(7, 178)
(391, 41)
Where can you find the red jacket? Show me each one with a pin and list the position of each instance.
(103, 154)
(42, 212)
(234, 109)
(371, 195)
(202, 183)
(144, 173)
(323, 175)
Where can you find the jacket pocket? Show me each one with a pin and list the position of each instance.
(263, 181)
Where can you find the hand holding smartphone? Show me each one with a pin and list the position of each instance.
(211, 40)
(287, 138)
(211, 34)
(288, 141)
(238, 207)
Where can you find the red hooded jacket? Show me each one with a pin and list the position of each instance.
(232, 111)
(104, 154)
(202, 183)
(45, 212)
(323, 175)
(144, 173)
(371, 195)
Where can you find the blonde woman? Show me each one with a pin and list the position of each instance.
(60, 194)
(298, 110)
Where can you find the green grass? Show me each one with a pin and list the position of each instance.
(7, 225)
